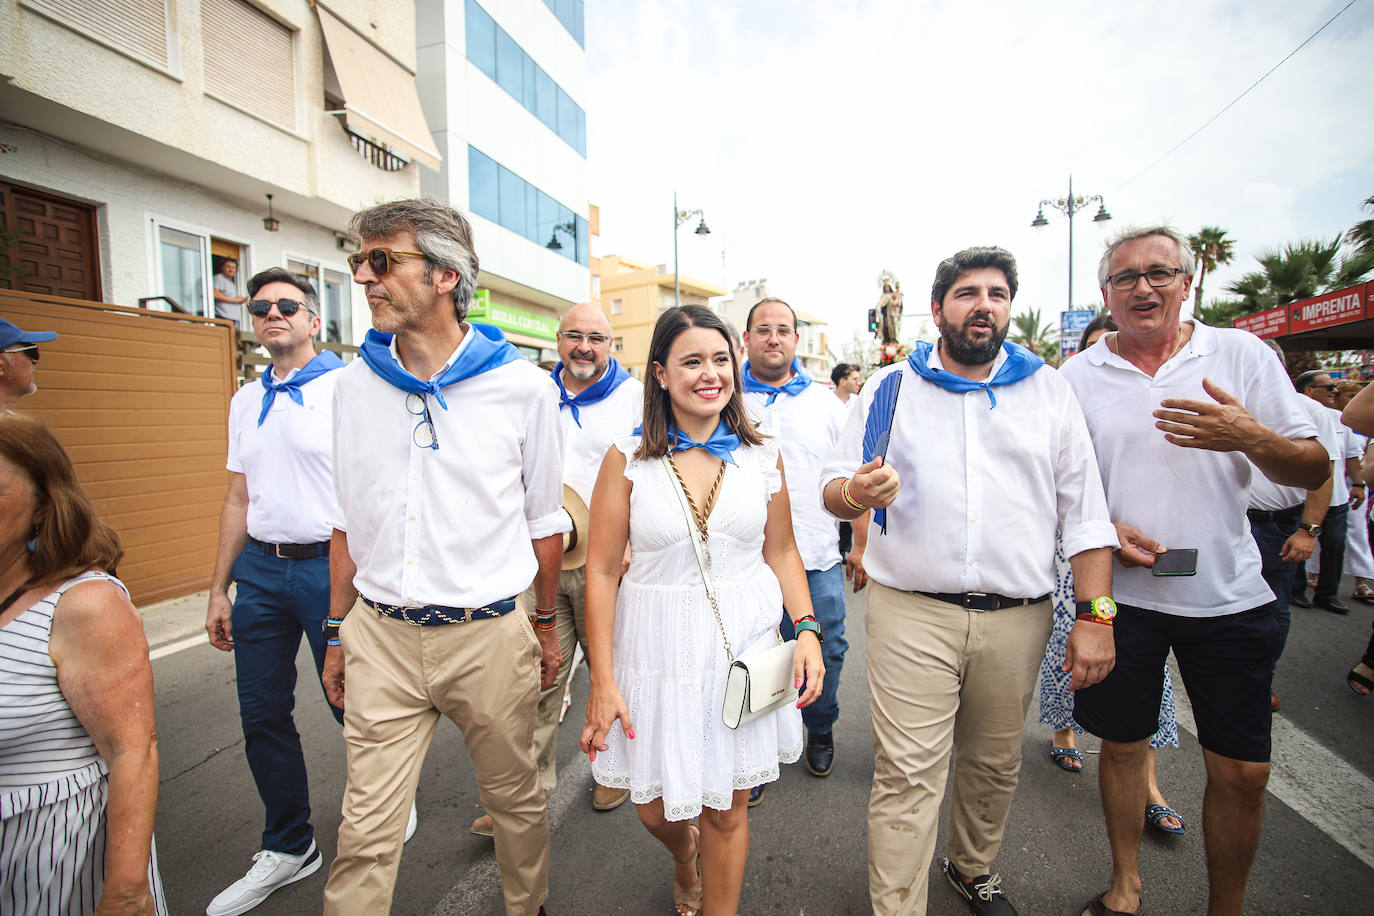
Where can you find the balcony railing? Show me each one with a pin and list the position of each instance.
(375, 153)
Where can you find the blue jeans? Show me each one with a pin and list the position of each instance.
(277, 601)
(1278, 573)
(827, 600)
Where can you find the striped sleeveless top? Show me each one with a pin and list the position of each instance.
(46, 755)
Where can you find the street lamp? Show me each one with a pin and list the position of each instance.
(1069, 206)
(680, 217)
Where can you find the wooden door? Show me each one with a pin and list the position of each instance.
(49, 244)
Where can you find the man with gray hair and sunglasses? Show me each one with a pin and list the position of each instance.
(1175, 409)
(448, 470)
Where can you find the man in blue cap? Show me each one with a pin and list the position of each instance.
(18, 356)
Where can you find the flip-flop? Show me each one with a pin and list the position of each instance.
(1096, 907)
(1155, 815)
(1060, 754)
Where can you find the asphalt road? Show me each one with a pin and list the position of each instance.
(808, 837)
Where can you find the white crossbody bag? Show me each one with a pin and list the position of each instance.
(761, 679)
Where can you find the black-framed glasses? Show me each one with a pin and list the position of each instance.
(1156, 277)
(379, 259)
(259, 308)
(577, 338)
(423, 434)
(29, 350)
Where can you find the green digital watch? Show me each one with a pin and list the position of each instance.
(1101, 609)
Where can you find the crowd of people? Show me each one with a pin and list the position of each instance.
(446, 524)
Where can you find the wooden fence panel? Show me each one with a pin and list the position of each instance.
(140, 400)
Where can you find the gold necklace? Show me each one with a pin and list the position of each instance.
(699, 515)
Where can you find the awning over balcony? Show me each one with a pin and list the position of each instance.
(379, 94)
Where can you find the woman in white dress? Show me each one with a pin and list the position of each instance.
(657, 649)
(78, 756)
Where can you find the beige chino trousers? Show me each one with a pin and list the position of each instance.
(572, 631)
(484, 676)
(943, 678)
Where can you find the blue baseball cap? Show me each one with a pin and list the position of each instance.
(11, 334)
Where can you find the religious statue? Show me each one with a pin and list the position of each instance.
(889, 309)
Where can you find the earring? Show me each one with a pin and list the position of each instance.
(32, 544)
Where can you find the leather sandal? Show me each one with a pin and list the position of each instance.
(1356, 680)
(1096, 907)
(689, 900)
(1061, 756)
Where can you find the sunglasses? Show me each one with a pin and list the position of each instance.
(31, 351)
(259, 308)
(379, 259)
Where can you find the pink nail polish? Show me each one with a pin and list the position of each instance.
(630, 734)
(797, 682)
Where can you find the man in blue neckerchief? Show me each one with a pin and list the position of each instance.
(448, 469)
(807, 420)
(986, 455)
(274, 543)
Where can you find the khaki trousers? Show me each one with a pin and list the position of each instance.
(483, 675)
(572, 630)
(943, 677)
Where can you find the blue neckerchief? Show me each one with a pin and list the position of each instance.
(879, 422)
(1020, 363)
(721, 444)
(595, 393)
(794, 386)
(487, 351)
(324, 361)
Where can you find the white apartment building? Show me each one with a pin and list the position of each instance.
(503, 84)
(139, 140)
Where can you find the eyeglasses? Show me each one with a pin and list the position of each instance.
(766, 330)
(379, 259)
(31, 351)
(1156, 277)
(424, 436)
(259, 308)
(577, 338)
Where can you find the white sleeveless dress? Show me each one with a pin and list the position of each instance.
(53, 782)
(669, 658)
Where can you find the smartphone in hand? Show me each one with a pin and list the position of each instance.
(1177, 561)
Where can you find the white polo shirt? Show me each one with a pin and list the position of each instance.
(983, 489)
(1271, 497)
(288, 461)
(585, 446)
(1349, 445)
(807, 426)
(450, 526)
(1184, 497)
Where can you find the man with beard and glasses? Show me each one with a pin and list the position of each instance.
(599, 402)
(807, 420)
(971, 455)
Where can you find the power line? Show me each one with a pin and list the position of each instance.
(1205, 124)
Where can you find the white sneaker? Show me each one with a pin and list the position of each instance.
(412, 823)
(270, 871)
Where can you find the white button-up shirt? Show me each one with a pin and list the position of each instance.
(807, 426)
(1185, 497)
(585, 446)
(1271, 497)
(983, 489)
(288, 461)
(450, 526)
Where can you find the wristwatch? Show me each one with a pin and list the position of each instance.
(1313, 530)
(1099, 610)
(809, 623)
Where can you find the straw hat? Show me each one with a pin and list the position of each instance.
(575, 543)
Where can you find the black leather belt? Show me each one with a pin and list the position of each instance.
(292, 551)
(1283, 516)
(437, 615)
(982, 601)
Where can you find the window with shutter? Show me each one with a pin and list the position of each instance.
(136, 27)
(249, 60)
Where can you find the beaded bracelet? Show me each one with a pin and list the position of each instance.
(551, 625)
(844, 492)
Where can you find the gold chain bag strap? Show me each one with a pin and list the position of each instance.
(761, 679)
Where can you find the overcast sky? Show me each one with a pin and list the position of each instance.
(827, 141)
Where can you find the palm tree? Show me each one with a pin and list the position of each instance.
(1361, 235)
(1028, 332)
(1300, 270)
(1212, 249)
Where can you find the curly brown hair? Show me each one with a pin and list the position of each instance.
(70, 538)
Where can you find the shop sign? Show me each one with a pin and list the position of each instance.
(1326, 310)
(1071, 325)
(509, 318)
(1271, 323)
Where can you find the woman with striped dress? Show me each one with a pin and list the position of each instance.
(78, 753)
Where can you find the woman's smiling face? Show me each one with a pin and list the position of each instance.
(698, 376)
